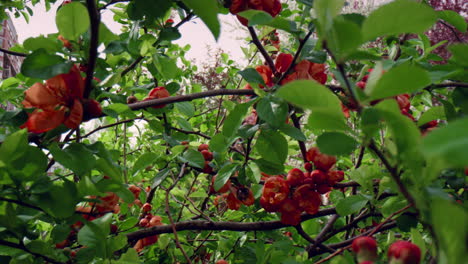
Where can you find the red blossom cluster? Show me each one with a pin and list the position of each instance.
(306, 70)
(272, 7)
(233, 195)
(204, 149)
(148, 220)
(401, 252)
(300, 192)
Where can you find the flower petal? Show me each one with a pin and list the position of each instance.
(42, 121)
(74, 118)
(40, 96)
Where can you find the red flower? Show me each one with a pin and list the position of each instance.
(157, 93)
(306, 70)
(308, 200)
(404, 252)
(272, 7)
(266, 74)
(283, 61)
(365, 248)
(57, 102)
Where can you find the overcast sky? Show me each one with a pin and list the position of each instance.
(194, 33)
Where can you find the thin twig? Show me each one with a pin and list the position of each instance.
(262, 50)
(231, 226)
(302, 145)
(24, 248)
(189, 97)
(14, 53)
(454, 32)
(296, 55)
(95, 18)
(393, 173)
(171, 220)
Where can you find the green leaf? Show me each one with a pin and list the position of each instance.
(105, 35)
(336, 143)
(449, 143)
(60, 201)
(273, 111)
(75, 157)
(129, 257)
(259, 17)
(272, 146)
(117, 109)
(224, 174)
(93, 235)
(193, 158)
(42, 65)
(152, 9)
(344, 38)
(324, 120)
(252, 76)
(311, 95)
(208, 11)
(365, 175)
(405, 133)
(293, 132)
(72, 20)
(326, 11)
(234, 119)
(186, 108)
(41, 42)
(269, 167)
(351, 204)
(169, 34)
(256, 17)
(404, 78)
(459, 53)
(434, 113)
(449, 222)
(398, 17)
(14, 146)
(116, 243)
(144, 161)
(454, 19)
(219, 143)
(166, 66)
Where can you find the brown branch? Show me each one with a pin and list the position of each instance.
(24, 248)
(198, 133)
(21, 203)
(393, 173)
(111, 3)
(445, 85)
(344, 245)
(454, 32)
(352, 93)
(14, 53)
(230, 226)
(325, 230)
(302, 145)
(110, 125)
(189, 97)
(95, 18)
(309, 239)
(262, 50)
